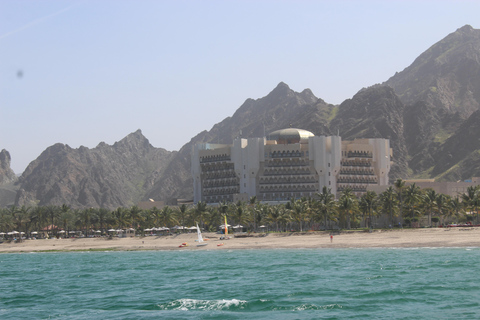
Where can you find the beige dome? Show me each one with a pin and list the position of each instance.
(290, 135)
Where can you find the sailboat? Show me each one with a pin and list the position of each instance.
(201, 243)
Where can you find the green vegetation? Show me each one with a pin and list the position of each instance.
(320, 212)
(441, 136)
(333, 113)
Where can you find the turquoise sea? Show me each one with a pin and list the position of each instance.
(434, 283)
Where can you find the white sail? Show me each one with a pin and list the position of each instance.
(200, 239)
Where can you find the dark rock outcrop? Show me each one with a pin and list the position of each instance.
(459, 157)
(6, 173)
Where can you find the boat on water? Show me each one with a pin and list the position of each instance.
(200, 240)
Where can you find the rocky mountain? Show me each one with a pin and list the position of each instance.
(446, 76)
(459, 157)
(429, 111)
(6, 173)
(440, 89)
(105, 176)
(7, 179)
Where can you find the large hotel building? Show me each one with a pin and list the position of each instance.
(289, 163)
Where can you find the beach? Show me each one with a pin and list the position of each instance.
(400, 238)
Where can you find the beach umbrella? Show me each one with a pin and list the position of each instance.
(2, 233)
(192, 228)
(148, 229)
(98, 231)
(61, 231)
(34, 232)
(238, 226)
(111, 230)
(72, 231)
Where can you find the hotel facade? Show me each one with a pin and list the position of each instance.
(288, 163)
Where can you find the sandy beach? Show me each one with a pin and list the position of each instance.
(402, 238)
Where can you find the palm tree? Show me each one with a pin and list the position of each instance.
(85, 217)
(20, 218)
(471, 199)
(442, 204)
(429, 203)
(135, 216)
(166, 216)
(455, 207)
(239, 214)
(399, 185)
(347, 205)
(274, 215)
(182, 213)
(6, 223)
(52, 213)
(200, 211)
(412, 199)
(298, 210)
(120, 217)
(103, 216)
(389, 201)
(368, 203)
(66, 218)
(326, 204)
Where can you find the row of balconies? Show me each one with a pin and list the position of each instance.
(286, 154)
(287, 165)
(219, 191)
(353, 163)
(220, 183)
(219, 175)
(216, 199)
(353, 187)
(288, 179)
(356, 180)
(215, 158)
(216, 166)
(356, 171)
(285, 171)
(359, 154)
(287, 196)
(289, 188)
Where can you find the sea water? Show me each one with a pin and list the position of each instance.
(422, 283)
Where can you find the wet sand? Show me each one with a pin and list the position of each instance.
(400, 238)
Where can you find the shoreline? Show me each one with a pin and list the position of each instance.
(396, 238)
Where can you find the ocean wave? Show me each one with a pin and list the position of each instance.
(193, 304)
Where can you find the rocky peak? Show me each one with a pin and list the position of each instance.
(6, 173)
(446, 76)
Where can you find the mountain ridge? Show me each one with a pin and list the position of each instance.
(429, 111)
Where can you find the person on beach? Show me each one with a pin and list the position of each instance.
(331, 238)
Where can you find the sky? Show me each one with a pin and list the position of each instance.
(81, 72)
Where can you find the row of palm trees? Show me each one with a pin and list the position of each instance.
(399, 204)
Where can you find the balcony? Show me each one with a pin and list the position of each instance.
(359, 154)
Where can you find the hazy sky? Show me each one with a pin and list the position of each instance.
(82, 72)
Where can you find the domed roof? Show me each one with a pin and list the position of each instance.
(290, 135)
